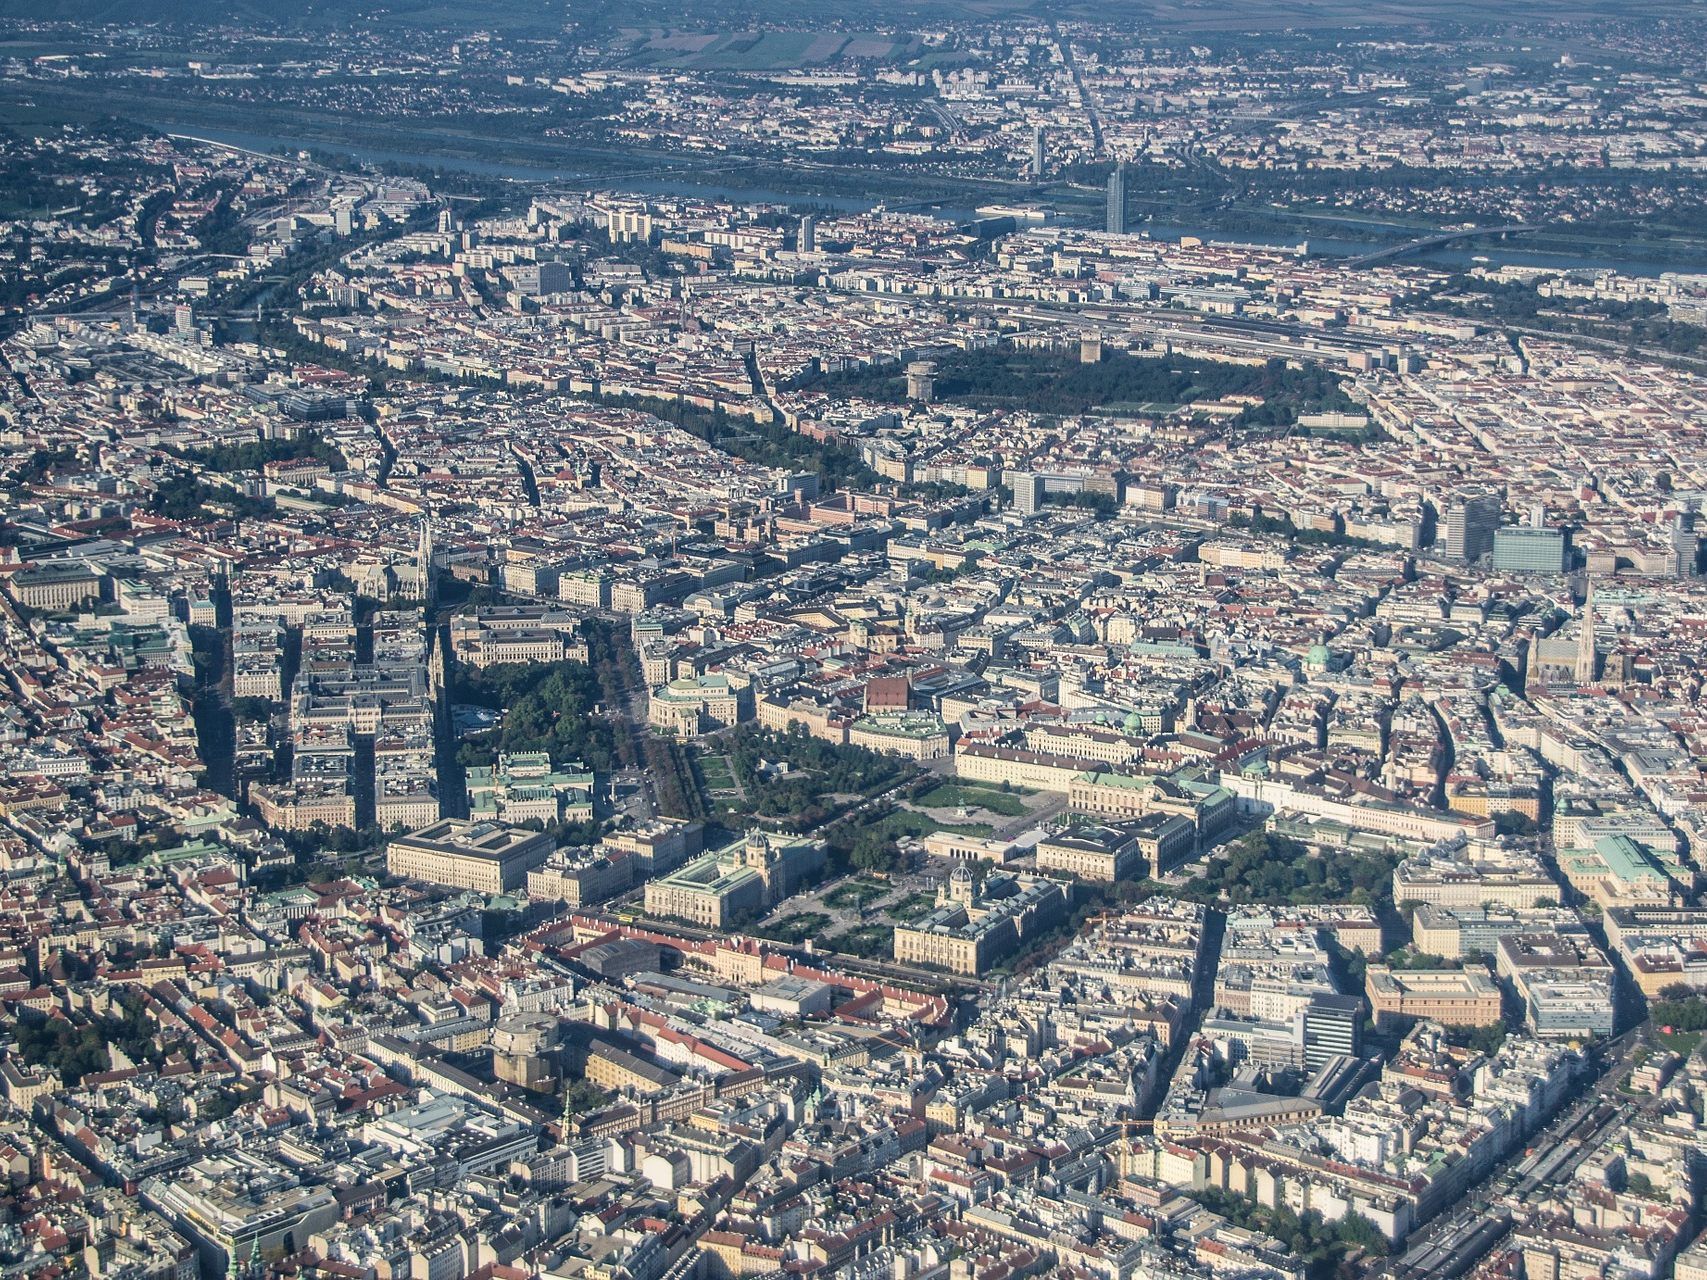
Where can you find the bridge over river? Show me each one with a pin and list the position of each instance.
(1434, 242)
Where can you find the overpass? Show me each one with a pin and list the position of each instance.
(1435, 241)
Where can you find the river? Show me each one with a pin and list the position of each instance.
(1448, 257)
(1639, 261)
(590, 178)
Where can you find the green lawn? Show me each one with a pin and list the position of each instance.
(1684, 1042)
(856, 895)
(872, 941)
(955, 795)
(911, 907)
(905, 822)
(760, 51)
(1151, 408)
(798, 927)
(715, 770)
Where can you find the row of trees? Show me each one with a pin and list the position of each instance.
(1103, 505)
(675, 785)
(836, 465)
(1282, 526)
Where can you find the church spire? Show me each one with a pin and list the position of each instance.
(1585, 670)
(424, 562)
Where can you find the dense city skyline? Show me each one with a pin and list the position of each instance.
(958, 642)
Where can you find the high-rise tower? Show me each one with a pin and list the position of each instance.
(1471, 520)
